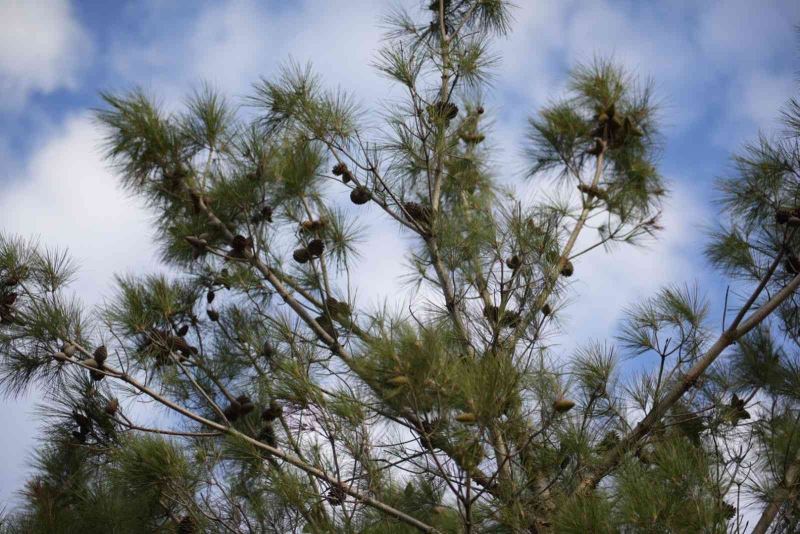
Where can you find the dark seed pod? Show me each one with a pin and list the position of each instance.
(315, 248)
(562, 405)
(272, 412)
(213, 315)
(9, 299)
(491, 313)
(100, 354)
(339, 169)
(336, 495)
(60, 357)
(443, 110)
(514, 262)
(359, 195)
(325, 322)
(245, 405)
(792, 264)
(267, 350)
(417, 212)
(210, 296)
(301, 255)
(266, 214)
(187, 525)
(183, 330)
(546, 310)
(84, 422)
(480, 110)
(567, 270)
(267, 435)
(782, 215)
(97, 376)
(232, 411)
(78, 436)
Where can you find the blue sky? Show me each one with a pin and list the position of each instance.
(721, 69)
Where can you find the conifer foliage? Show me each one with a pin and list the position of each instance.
(288, 406)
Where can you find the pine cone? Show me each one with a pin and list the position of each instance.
(359, 195)
(567, 270)
(245, 405)
(271, 412)
(186, 525)
(563, 405)
(100, 354)
(267, 435)
(336, 495)
(232, 412)
(183, 330)
(267, 350)
(339, 169)
(8, 299)
(315, 248)
(467, 418)
(213, 315)
(301, 255)
(210, 296)
(514, 262)
(546, 310)
(417, 212)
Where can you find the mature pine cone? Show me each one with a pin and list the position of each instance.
(8, 299)
(186, 525)
(315, 248)
(271, 412)
(210, 296)
(301, 255)
(267, 435)
(418, 212)
(336, 495)
(213, 315)
(359, 195)
(514, 262)
(233, 411)
(100, 355)
(339, 169)
(183, 330)
(245, 405)
(568, 269)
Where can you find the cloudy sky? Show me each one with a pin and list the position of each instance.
(721, 70)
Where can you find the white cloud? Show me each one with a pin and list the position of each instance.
(68, 198)
(42, 48)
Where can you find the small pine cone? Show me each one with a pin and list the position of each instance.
(546, 310)
(267, 435)
(210, 296)
(480, 110)
(245, 405)
(266, 214)
(418, 212)
(100, 354)
(9, 299)
(325, 322)
(315, 248)
(187, 525)
(339, 169)
(568, 269)
(69, 349)
(96, 375)
(563, 405)
(359, 195)
(267, 350)
(467, 418)
(782, 215)
(111, 407)
(792, 264)
(60, 357)
(271, 412)
(213, 315)
(514, 262)
(232, 412)
(183, 330)
(240, 245)
(336, 495)
(399, 380)
(491, 313)
(301, 255)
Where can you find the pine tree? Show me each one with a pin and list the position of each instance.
(289, 407)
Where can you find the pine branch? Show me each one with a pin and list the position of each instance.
(727, 338)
